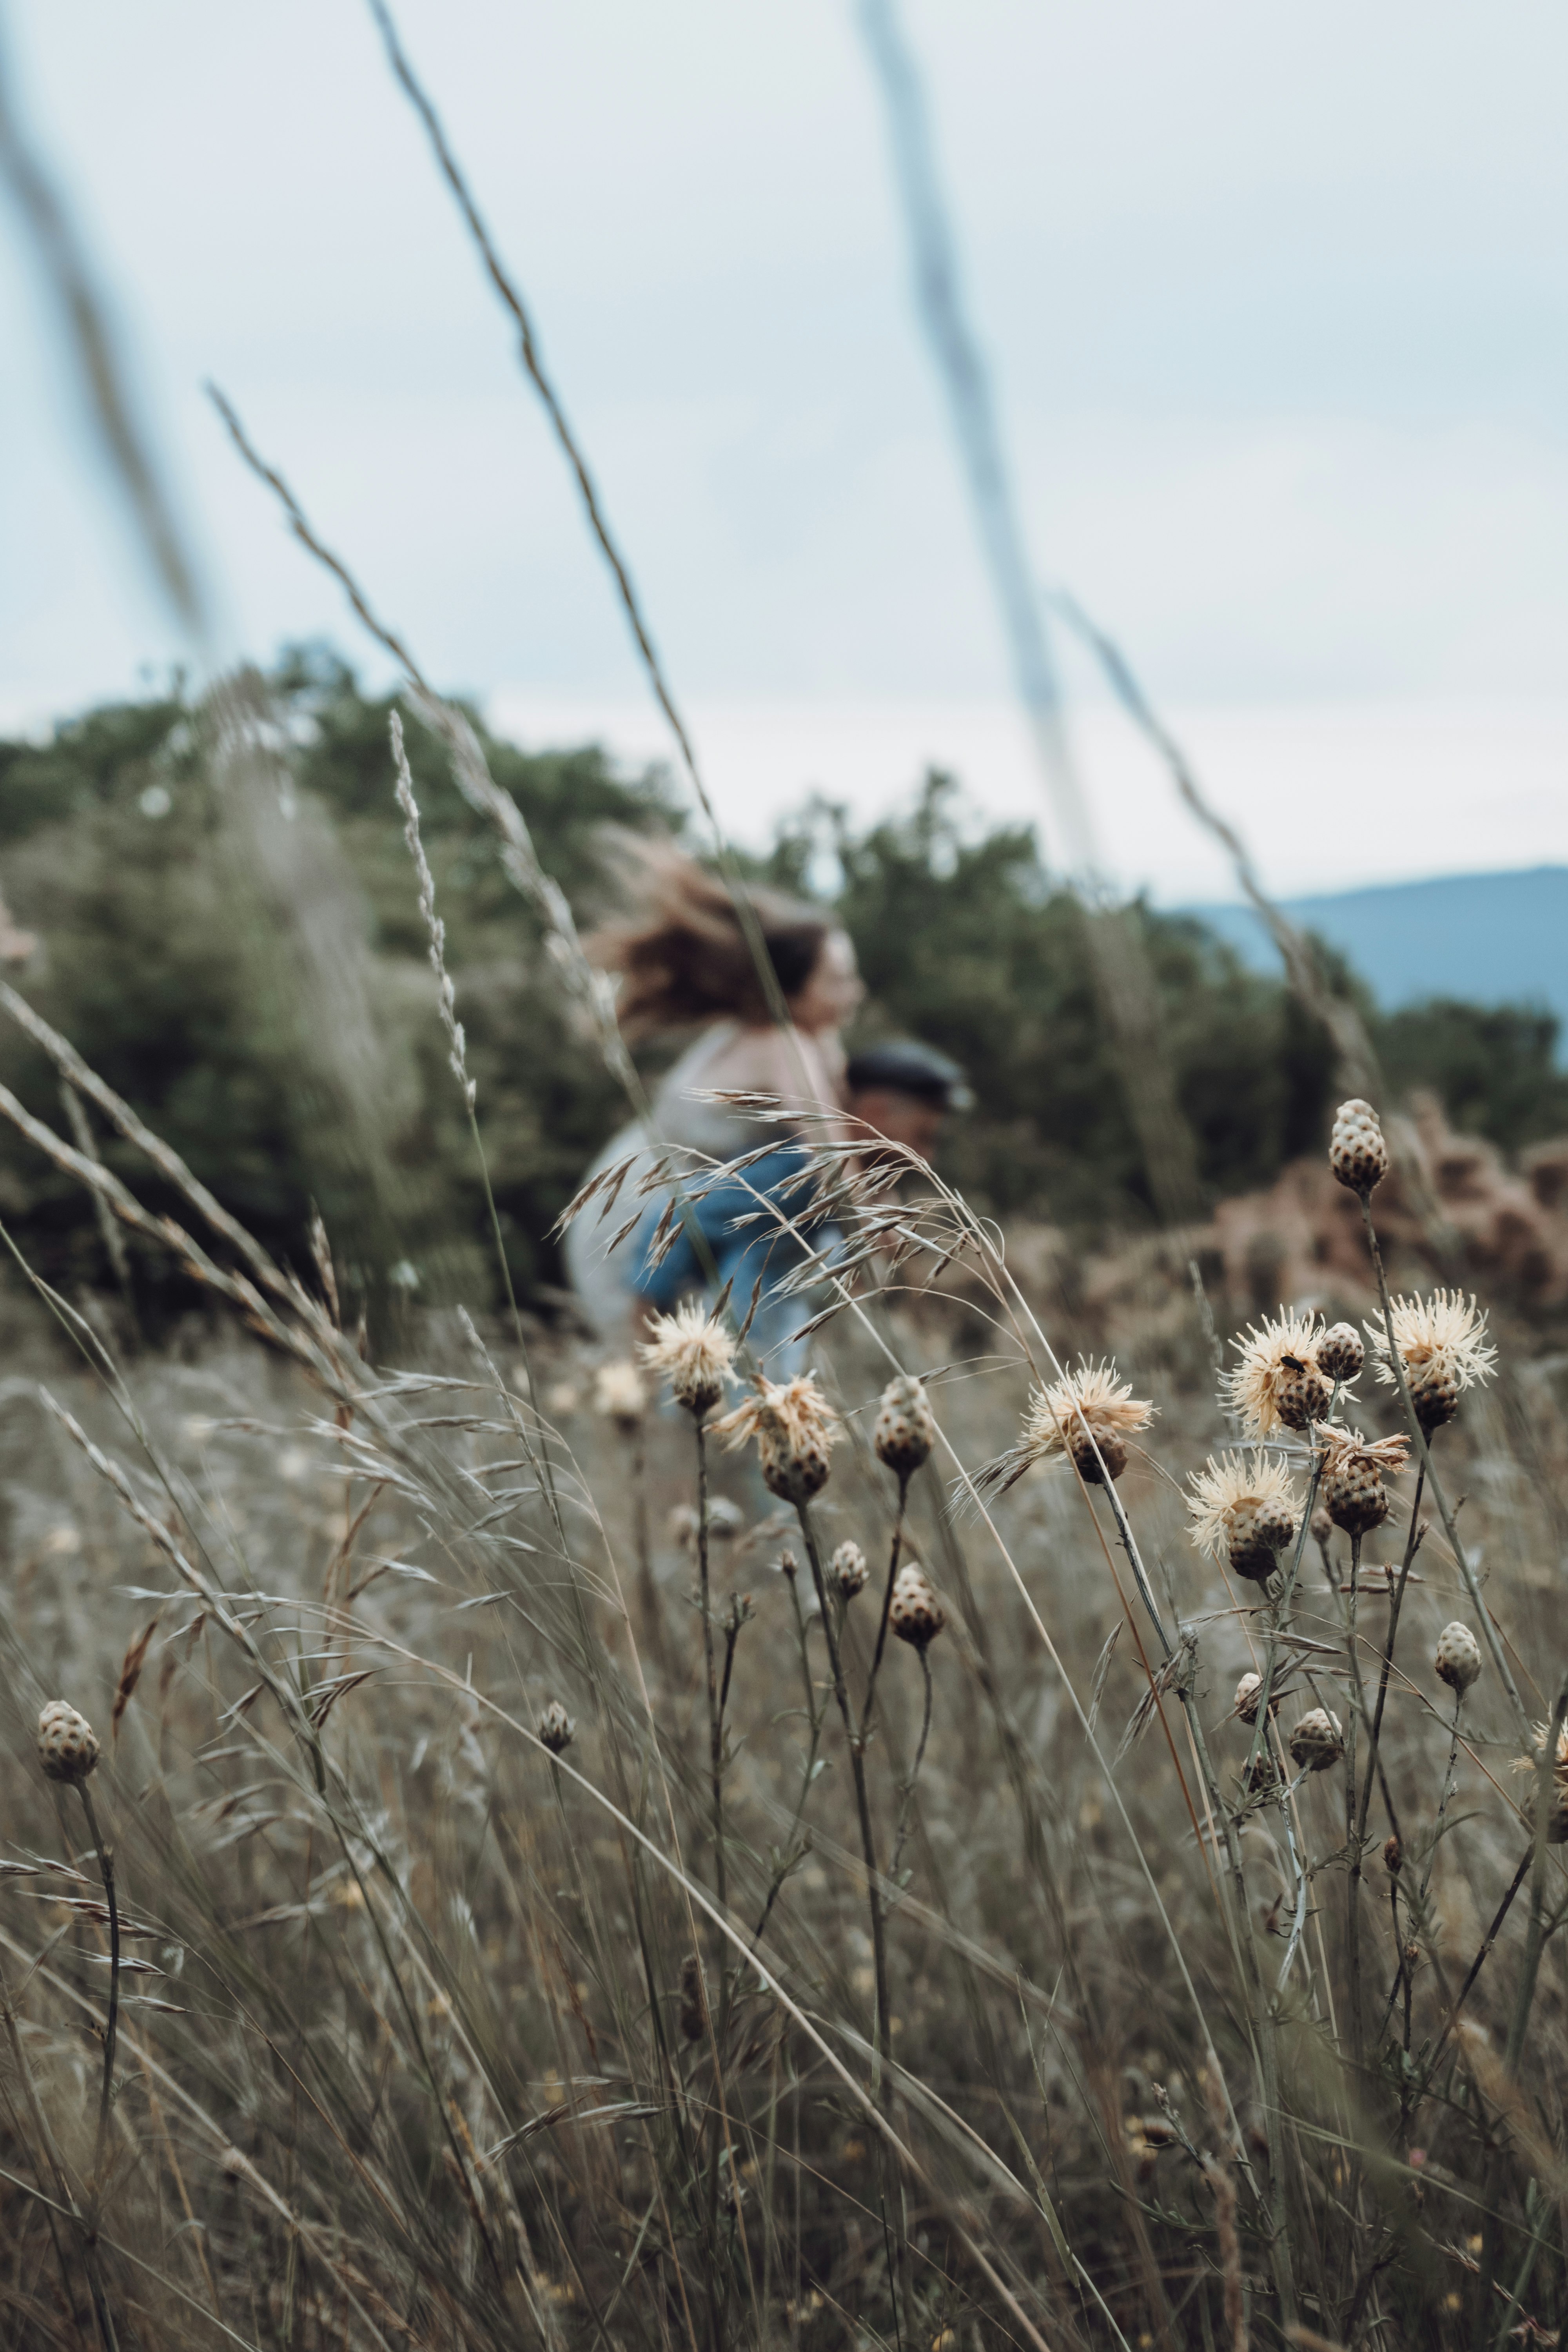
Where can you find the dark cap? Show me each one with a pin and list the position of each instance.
(904, 1066)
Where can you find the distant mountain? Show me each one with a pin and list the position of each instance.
(1489, 939)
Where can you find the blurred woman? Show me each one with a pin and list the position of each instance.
(685, 963)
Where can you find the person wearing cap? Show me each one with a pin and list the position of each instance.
(902, 1091)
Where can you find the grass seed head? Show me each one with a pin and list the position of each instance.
(792, 1428)
(915, 1614)
(693, 1353)
(1357, 1152)
(905, 1431)
(1277, 1384)
(1443, 1349)
(848, 1570)
(556, 1729)
(1459, 1658)
(68, 1744)
(1244, 1511)
(1317, 1742)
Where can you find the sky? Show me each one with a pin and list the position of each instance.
(1276, 303)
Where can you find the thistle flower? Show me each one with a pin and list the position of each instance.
(1277, 1384)
(915, 1614)
(1317, 1743)
(556, 1729)
(1557, 1816)
(905, 1431)
(1353, 1472)
(1459, 1658)
(1340, 1352)
(848, 1570)
(1248, 1692)
(1055, 1424)
(619, 1395)
(693, 1353)
(1357, 1152)
(1443, 1348)
(794, 1430)
(1244, 1512)
(68, 1744)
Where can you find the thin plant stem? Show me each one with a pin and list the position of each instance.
(816, 1715)
(1545, 1796)
(111, 2029)
(887, 1604)
(715, 1727)
(1352, 1839)
(1373, 1764)
(906, 1803)
(1488, 1940)
(1472, 1581)
(100, 2312)
(1448, 1778)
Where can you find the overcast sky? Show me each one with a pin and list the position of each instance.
(1276, 301)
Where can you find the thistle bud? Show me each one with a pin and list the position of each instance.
(1340, 1352)
(1357, 1152)
(1393, 1857)
(1300, 1392)
(1248, 1692)
(905, 1431)
(1317, 1743)
(915, 1614)
(848, 1570)
(1459, 1658)
(1259, 1530)
(1354, 1495)
(556, 1729)
(68, 1744)
(1434, 1393)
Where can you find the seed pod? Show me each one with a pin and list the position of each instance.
(915, 1614)
(1260, 1532)
(1434, 1393)
(1322, 1525)
(1357, 1152)
(1301, 1392)
(848, 1570)
(68, 1744)
(1317, 1742)
(905, 1431)
(1248, 1691)
(1354, 1493)
(1340, 1352)
(1112, 1452)
(1459, 1658)
(556, 1727)
(1393, 1857)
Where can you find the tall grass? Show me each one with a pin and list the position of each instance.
(436, 2032)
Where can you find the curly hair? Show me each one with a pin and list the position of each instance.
(681, 953)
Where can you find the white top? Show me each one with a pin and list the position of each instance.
(804, 1070)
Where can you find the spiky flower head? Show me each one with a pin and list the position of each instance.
(618, 1394)
(848, 1570)
(915, 1614)
(1085, 1417)
(1277, 1384)
(1459, 1658)
(1341, 1353)
(1443, 1348)
(68, 1744)
(1244, 1511)
(905, 1431)
(793, 1426)
(1357, 1151)
(556, 1729)
(1248, 1692)
(1353, 1472)
(1557, 1802)
(693, 1353)
(1317, 1742)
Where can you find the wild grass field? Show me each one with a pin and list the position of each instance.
(525, 1926)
